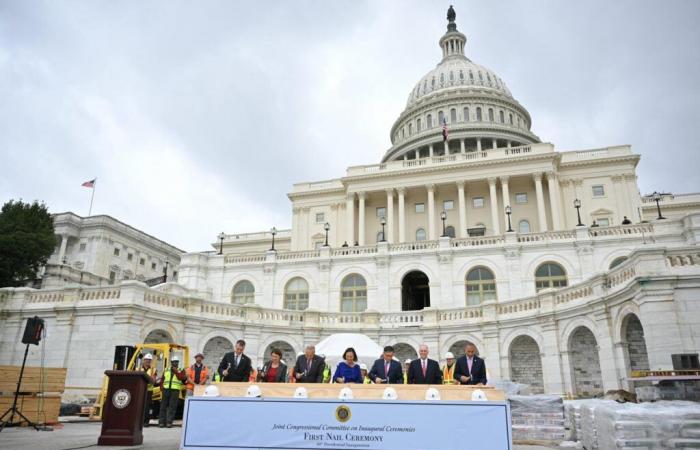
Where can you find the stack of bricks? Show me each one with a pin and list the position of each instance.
(40, 392)
(572, 419)
(589, 431)
(537, 419)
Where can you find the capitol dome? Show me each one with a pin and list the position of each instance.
(469, 100)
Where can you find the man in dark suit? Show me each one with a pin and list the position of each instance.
(470, 369)
(309, 367)
(235, 366)
(424, 370)
(385, 369)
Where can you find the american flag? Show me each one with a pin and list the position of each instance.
(90, 184)
(444, 129)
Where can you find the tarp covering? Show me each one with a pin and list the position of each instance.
(334, 345)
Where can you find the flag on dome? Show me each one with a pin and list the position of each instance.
(444, 129)
(90, 184)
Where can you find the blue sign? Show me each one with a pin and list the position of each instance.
(295, 424)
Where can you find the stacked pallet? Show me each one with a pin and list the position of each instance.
(40, 392)
(537, 419)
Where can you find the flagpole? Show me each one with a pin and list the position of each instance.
(92, 197)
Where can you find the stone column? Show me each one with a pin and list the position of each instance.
(494, 144)
(554, 200)
(390, 215)
(446, 144)
(62, 250)
(362, 226)
(431, 211)
(462, 210)
(478, 144)
(431, 151)
(350, 218)
(493, 196)
(462, 147)
(402, 215)
(541, 213)
(506, 196)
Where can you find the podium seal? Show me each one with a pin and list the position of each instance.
(121, 399)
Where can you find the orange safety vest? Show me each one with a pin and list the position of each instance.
(202, 375)
(448, 374)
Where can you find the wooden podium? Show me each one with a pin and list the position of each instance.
(122, 419)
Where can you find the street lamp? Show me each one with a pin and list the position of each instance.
(165, 270)
(222, 236)
(509, 210)
(657, 198)
(326, 226)
(383, 222)
(274, 232)
(443, 217)
(577, 205)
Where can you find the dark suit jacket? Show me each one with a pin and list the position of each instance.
(235, 373)
(281, 376)
(433, 375)
(478, 374)
(314, 374)
(395, 372)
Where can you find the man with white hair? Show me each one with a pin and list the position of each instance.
(309, 366)
(424, 370)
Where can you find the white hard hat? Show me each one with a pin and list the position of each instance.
(148, 356)
(432, 394)
(175, 359)
(479, 395)
(390, 394)
(253, 391)
(322, 356)
(363, 366)
(449, 355)
(345, 394)
(300, 353)
(211, 391)
(300, 392)
(408, 361)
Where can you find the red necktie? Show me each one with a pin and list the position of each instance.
(424, 369)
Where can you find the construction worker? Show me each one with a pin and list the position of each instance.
(171, 385)
(216, 377)
(146, 366)
(365, 377)
(405, 370)
(326, 370)
(197, 373)
(448, 372)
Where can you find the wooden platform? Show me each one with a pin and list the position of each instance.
(359, 391)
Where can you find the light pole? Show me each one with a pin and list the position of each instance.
(577, 205)
(509, 210)
(383, 222)
(165, 270)
(222, 236)
(657, 199)
(443, 217)
(326, 226)
(274, 232)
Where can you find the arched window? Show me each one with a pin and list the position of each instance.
(481, 286)
(453, 115)
(550, 275)
(490, 114)
(429, 121)
(353, 294)
(418, 126)
(523, 226)
(466, 114)
(617, 261)
(410, 129)
(511, 118)
(450, 231)
(420, 234)
(296, 294)
(441, 116)
(478, 113)
(243, 292)
(501, 117)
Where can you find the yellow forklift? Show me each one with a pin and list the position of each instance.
(129, 358)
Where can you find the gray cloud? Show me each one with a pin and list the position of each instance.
(198, 118)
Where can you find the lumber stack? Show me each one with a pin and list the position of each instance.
(40, 392)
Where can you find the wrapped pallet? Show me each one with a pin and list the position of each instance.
(537, 418)
(40, 392)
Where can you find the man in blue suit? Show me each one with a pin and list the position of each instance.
(470, 369)
(385, 370)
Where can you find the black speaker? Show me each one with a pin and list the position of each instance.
(122, 356)
(33, 331)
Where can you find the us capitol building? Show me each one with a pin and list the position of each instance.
(475, 238)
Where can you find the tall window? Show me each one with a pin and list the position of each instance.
(466, 114)
(410, 129)
(511, 118)
(500, 116)
(550, 275)
(453, 115)
(243, 292)
(353, 294)
(478, 113)
(429, 121)
(490, 115)
(441, 116)
(418, 126)
(420, 234)
(481, 286)
(523, 226)
(296, 294)
(598, 190)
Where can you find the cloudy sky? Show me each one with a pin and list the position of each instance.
(197, 117)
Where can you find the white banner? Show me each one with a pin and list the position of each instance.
(255, 423)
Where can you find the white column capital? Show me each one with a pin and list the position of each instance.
(577, 182)
(430, 187)
(389, 192)
(492, 181)
(401, 190)
(362, 195)
(537, 176)
(350, 196)
(504, 179)
(460, 184)
(551, 175)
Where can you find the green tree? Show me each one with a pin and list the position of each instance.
(26, 241)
